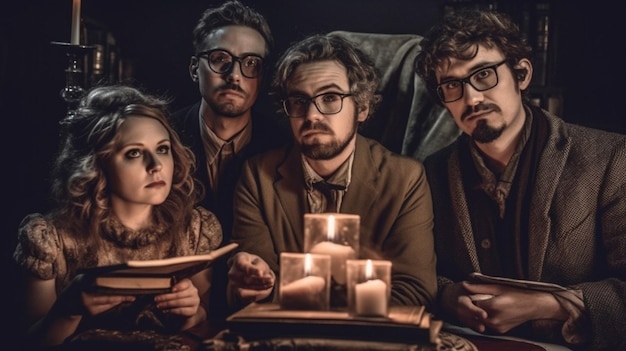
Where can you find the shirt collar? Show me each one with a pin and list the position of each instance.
(342, 176)
(213, 144)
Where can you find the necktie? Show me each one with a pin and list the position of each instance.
(331, 193)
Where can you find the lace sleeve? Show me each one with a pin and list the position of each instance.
(38, 246)
(210, 231)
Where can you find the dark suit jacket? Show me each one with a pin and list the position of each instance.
(388, 191)
(267, 133)
(577, 224)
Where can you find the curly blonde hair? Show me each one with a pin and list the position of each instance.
(79, 182)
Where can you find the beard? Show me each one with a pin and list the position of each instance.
(484, 133)
(227, 108)
(319, 151)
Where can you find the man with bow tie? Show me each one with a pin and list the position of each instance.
(326, 87)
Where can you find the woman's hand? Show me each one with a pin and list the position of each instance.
(183, 301)
(95, 303)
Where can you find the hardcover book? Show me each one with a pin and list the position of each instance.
(404, 324)
(150, 276)
(477, 277)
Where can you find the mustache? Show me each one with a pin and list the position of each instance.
(480, 107)
(231, 86)
(309, 125)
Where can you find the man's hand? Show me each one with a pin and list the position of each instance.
(249, 278)
(511, 307)
(456, 301)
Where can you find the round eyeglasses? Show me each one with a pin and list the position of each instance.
(481, 80)
(221, 61)
(326, 104)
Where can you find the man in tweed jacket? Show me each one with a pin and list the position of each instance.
(522, 194)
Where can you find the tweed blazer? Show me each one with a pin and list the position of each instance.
(577, 221)
(389, 192)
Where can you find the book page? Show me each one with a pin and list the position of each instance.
(211, 256)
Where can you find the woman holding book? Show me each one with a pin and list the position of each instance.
(123, 187)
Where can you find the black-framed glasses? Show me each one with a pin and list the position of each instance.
(221, 61)
(481, 80)
(326, 104)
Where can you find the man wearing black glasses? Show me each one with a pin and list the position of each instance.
(231, 44)
(326, 88)
(522, 194)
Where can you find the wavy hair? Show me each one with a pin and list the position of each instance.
(79, 182)
(459, 36)
(363, 77)
(229, 14)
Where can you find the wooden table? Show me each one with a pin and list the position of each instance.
(203, 337)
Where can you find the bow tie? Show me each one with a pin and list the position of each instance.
(330, 192)
(325, 186)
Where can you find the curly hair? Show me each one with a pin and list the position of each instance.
(231, 13)
(459, 36)
(79, 182)
(362, 74)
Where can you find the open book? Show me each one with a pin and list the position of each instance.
(151, 276)
(477, 277)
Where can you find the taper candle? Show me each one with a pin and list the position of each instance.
(75, 22)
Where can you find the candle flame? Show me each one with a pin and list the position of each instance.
(369, 270)
(308, 262)
(331, 228)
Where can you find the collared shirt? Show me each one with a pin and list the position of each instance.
(220, 152)
(498, 186)
(342, 176)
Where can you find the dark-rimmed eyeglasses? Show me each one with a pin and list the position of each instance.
(221, 61)
(481, 80)
(326, 104)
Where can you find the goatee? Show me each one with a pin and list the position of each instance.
(483, 133)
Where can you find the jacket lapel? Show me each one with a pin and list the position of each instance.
(551, 166)
(459, 207)
(363, 190)
(289, 188)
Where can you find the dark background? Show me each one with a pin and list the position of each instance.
(154, 38)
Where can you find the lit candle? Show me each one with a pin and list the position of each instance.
(371, 295)
(338, 253)
(330, 228)
(75, 22)
(305, 293)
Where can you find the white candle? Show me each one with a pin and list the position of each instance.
(75, 22)
(304, 293)
(338, 255)
(330, 227)
(371, 295)
(371, 298)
